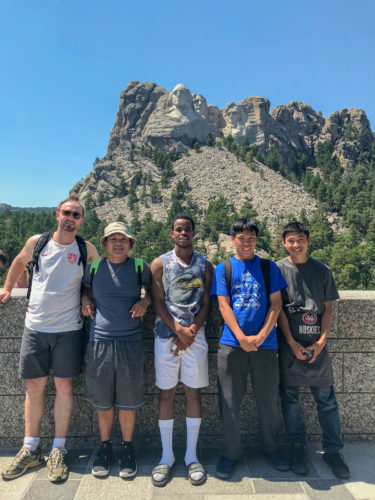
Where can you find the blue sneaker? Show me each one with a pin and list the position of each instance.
(225, 467)
(278, 461)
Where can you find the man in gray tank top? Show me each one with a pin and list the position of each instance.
(181, 281)
(52, 337)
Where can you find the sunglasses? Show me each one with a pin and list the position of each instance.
(68, 213)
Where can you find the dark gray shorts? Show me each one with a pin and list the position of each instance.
(114, 374)
(60, 352)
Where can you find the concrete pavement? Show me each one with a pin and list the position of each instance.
(253, 479)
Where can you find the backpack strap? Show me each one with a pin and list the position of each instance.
(94, 268)
(40, 244)
(228, 273)
(82, 250)
(138, 264)
(265, 268)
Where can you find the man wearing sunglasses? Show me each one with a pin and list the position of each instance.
(53, 337)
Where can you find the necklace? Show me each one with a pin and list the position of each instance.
(114, 272)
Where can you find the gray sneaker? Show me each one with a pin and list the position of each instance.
(25, 459)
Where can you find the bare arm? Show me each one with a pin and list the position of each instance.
(295, 346)
(158, 298)
(230, 319)
(271, 318)
(92, 253)
(17, 268)
(318, 346)
(140, 307)
(23, 280)
(87, 301)
(251, 342)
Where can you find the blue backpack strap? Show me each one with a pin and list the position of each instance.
(40, 244)
(138, 264)
(94, 268)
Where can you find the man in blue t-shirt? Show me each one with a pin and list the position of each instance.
(248, 340)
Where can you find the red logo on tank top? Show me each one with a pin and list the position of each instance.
(72, 258)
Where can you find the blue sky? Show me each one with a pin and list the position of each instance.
(64, 63)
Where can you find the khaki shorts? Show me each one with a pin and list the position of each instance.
(191, 367)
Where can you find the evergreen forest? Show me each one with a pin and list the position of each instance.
(349, 192)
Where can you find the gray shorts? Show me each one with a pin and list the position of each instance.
(60, 352)
(114, 374)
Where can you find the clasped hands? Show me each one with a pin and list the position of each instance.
(185, 336)
(252, 342)
(298, 349)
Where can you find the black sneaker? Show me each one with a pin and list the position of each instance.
(225, 467)
(298, 459)
(339, 467)
(127, 461)
(103, 460)
(278, 461)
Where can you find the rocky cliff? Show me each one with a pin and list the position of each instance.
(177, 121)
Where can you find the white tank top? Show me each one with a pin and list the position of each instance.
(54, 304)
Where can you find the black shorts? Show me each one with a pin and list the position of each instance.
(60, 352)
(114, 374)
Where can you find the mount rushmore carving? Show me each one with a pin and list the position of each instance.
(149, 114)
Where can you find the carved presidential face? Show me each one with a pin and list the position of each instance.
(180, 97)
(235, 113)
(214, 116)
(200, 105)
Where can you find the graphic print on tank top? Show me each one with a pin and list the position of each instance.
(185, 288)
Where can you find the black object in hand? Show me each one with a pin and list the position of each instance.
(309, 354)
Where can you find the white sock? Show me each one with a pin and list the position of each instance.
(58, 443)
(192, 433)
(166, 434)
(31, 443)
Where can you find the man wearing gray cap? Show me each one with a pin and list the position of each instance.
(114, 356)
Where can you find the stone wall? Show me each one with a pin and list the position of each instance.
(351, 343)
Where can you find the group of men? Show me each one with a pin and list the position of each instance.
(69, 280)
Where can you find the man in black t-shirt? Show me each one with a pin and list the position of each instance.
(304, 323)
